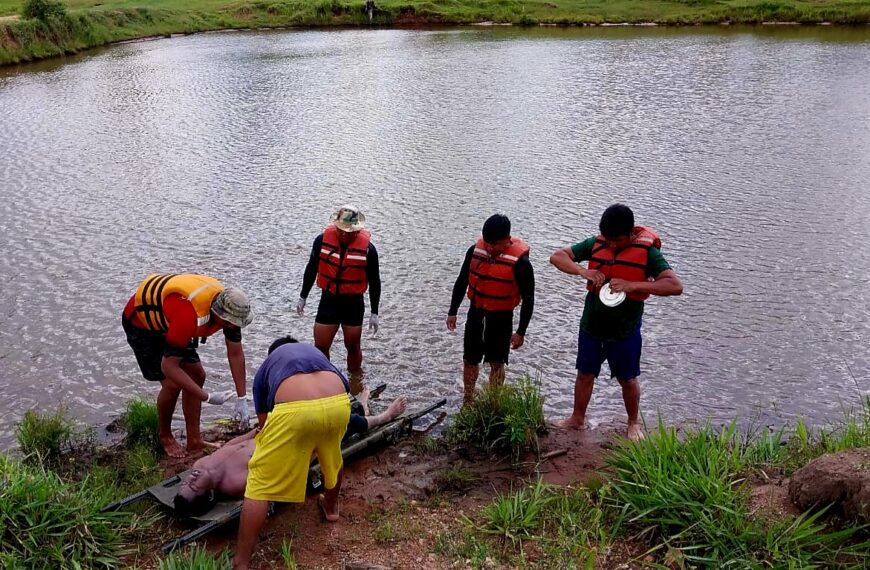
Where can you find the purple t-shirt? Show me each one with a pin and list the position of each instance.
(285, 361)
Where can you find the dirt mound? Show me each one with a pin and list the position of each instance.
(839, 479)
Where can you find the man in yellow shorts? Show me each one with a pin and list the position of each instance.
(302, 404)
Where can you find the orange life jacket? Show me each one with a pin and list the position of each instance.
(343, 272)
(491, 282)
(200, 290)
(629, 263)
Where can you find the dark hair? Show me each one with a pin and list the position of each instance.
(496, 227)
(616, 221)
(199, 505)
(281, 342)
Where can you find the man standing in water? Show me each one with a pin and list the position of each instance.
(628, 257)
(498, 276)
(303, 407)
(344, 263)
(163, 321)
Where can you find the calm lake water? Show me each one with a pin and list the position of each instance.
(748, 150)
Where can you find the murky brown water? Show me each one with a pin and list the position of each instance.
(224, 154)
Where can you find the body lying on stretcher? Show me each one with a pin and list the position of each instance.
(224, 473)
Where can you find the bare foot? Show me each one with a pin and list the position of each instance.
(635, 432)
(396, 408)
(571, 422)
(172, 447)
(327, 516)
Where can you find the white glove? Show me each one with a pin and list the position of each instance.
(300, 306)
(374, 323)
(242, 413)
(218, 398)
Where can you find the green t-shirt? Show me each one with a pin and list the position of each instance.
(614, 323)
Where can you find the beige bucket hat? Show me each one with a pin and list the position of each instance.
(348, 218)
(233, 306)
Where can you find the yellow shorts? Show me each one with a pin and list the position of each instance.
(278, 470)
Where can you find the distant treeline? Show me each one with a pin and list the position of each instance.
(39, 29)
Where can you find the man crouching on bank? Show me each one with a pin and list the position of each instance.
(302, 404)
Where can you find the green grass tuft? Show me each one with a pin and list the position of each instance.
(140, 421)
(47, 523)
(687, 494)
(504, 420)
(45, 438)
(196, 558)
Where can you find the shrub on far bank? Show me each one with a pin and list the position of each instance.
(43, 9)
(44, 438)
(505, 420)
(46, 523)
(140, 421)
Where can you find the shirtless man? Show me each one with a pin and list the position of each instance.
(225, 472)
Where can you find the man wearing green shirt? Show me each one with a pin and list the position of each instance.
(629, 259)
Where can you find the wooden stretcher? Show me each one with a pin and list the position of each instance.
(227, 510)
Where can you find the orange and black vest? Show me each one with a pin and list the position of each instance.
(629, 263)
(200, 290)
(343, 272)
(491, 282)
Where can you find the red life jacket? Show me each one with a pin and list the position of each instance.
(491, 282)
(343, 272)
(629, 263)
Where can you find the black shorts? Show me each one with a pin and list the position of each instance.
(149, 348)
(347, 310)
(487, 336)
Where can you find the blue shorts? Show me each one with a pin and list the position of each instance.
(623, 356)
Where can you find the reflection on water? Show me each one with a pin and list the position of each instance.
(225, 154)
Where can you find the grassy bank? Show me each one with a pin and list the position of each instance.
(679, 499)
(90, 23)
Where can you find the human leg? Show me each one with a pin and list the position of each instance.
(329, 500)
(323, 337)
(496, 374)
(332, 417)
(583, 386)
(148, 348)
(470, 372)
(590, 355)
(253, 516)
(624, 359)
(472, 352)
(393, 411)
(497, 329)
(352, 342)
(191, 406)
(631, 397)
(167, 398)
(326, 322)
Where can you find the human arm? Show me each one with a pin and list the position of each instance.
(525, 278)
(568, 259)
(236, 359)
(373, 276)
(311, 268)
(666, 284)
(459, 289)
(171, 367)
